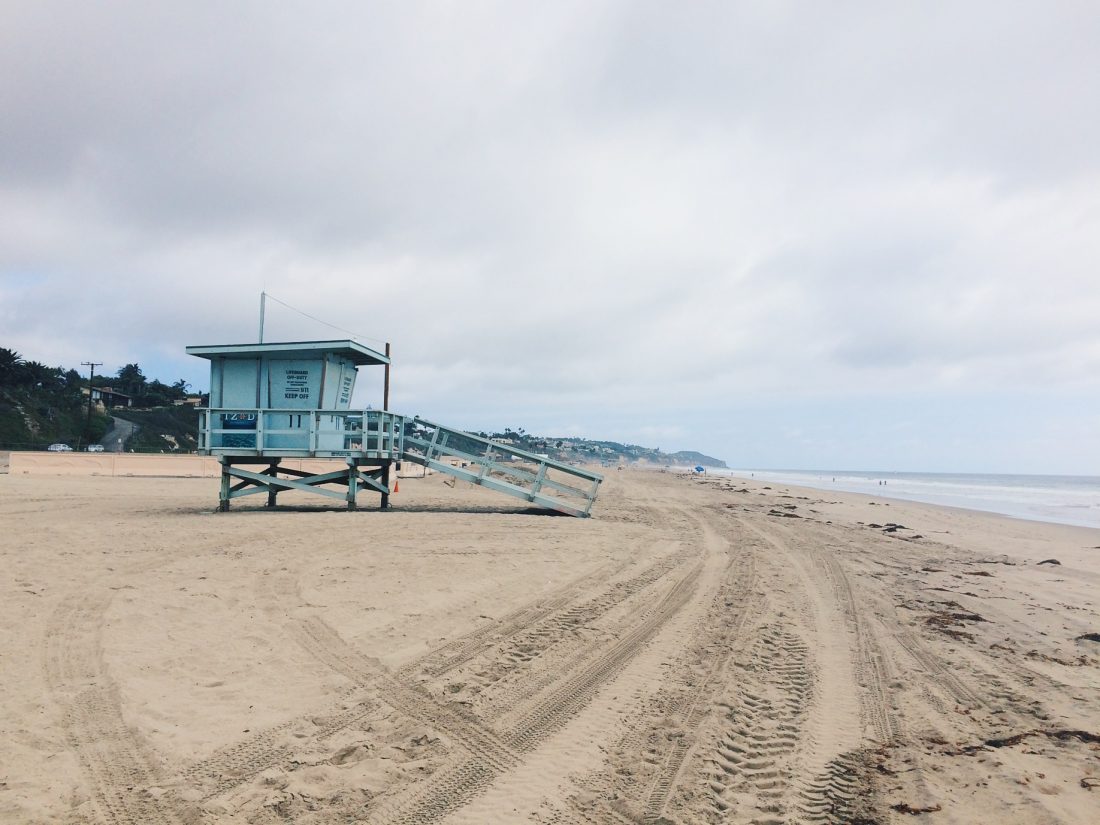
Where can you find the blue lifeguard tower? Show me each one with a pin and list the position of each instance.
(279, 400)
(274, 401)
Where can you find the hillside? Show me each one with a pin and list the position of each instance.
(32, 420)
(163, 429)
(614, 453)
(42, 405)
(691, 458)
(606, 452)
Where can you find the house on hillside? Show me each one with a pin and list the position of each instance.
(106, 398)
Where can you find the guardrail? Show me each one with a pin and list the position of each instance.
(243, 431)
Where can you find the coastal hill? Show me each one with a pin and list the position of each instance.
(691, 457)
(41, 405)
(605, 452)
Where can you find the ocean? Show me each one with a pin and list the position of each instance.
(1060, 499)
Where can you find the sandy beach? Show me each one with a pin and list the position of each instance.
(699, 651)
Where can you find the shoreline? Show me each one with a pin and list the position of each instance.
(990, 531)
(946, 494)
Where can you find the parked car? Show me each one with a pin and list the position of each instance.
(60, 448)
(95, 448)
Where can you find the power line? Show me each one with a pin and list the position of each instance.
(326, 323)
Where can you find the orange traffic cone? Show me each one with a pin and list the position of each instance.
(396, 485)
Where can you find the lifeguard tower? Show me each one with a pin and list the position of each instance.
(275, 401)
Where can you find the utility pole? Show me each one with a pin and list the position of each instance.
(91, 365)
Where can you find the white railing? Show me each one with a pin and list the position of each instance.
(503, 467)
(300, 432)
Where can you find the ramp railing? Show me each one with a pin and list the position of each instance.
(501, 467)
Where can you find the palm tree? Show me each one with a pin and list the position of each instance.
(37, 374)
(132, 380)
(11, 364)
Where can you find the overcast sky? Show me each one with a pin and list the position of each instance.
(802, 235)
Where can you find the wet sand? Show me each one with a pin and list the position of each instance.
(700, 651)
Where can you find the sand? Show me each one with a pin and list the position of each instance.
(700, 651)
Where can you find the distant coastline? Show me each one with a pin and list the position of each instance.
(1073, 500)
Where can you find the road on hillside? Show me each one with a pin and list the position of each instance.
(116, 437)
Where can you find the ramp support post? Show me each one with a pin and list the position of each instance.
(272, 490)
(223, 496)
(536, 488)
(353, 484)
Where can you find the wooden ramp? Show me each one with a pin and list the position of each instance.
(534, 478)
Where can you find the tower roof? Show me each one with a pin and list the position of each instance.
(355, 352)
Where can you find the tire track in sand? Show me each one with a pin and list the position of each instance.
(565, 700)
(870, 665)
(839, 794)
(729, 612)
(462, 649)
(551, 618)
(868, 660)
(650, 762)
(753, 756)
(485, 754)
(233, 765)
(802, 772)
(123, 775)
(452, 788)
(527, 675)
(279, 593)
(937, 670)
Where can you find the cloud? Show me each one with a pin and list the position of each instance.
(566, 212)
